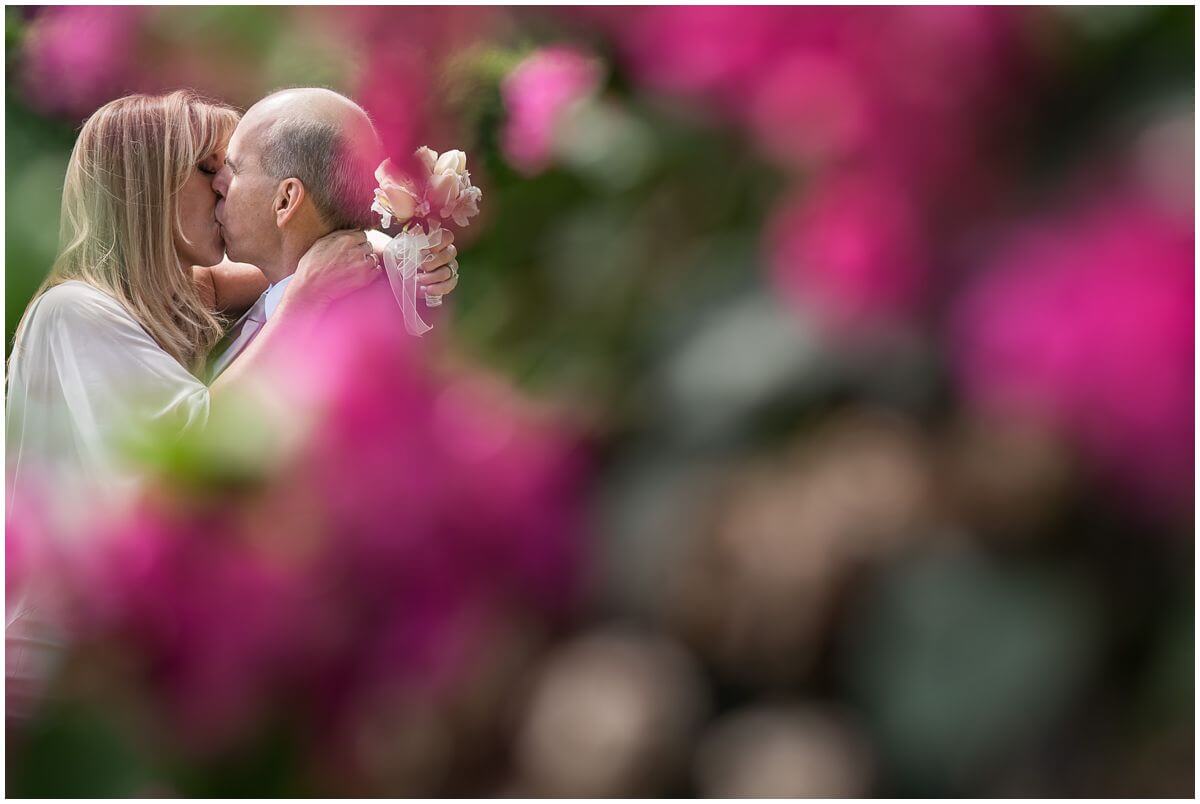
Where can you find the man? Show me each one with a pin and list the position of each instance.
(300, 166)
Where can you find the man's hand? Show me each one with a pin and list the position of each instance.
(337, 265)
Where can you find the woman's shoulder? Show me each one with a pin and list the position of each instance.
(74, 292)
(78, 300)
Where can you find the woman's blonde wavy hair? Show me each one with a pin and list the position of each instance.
(120, 213)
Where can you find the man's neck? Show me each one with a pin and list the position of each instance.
(290, 254)
(280, 270)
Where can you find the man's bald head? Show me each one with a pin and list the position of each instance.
(327, 142)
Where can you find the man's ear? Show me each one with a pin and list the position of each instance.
(288, 197)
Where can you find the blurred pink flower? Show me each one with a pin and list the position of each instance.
(79, 57)
(851, 250)
(400, 109)
(934, 131)
(402, 52)
(715, 53)
(215, 625)
(16, 555)
(802, 59)
(536, 94)
(810, 110)
(895, 110)
(420, 507)
(1084, 322)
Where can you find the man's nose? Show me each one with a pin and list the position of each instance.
(220, 183)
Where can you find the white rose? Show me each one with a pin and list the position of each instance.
(448, 191)
(451, 162)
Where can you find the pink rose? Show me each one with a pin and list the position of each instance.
(395, 195)
(450, 193)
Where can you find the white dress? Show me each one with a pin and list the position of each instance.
(85, 381)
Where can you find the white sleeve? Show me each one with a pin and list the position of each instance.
(85, 380)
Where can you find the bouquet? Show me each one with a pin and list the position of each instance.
(443, 192)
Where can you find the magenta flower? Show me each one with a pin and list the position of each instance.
(810, 110)
(400, 53)
(841, 87)
(713, 53)
(216, 623)
(79, 57)
(1085, 321)
(417, 509)
(536, 94)
(851, 251)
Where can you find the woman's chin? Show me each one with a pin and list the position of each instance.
(218, 251)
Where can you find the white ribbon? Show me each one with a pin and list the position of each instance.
(401, 260)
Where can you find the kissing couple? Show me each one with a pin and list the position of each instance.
(178, 216)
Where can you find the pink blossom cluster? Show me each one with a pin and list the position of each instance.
(884, 116)
(899, 85)
(401, 55)
(851, 251)
(536, 94)
(1084, 320)
(893, 123)
(421, 509)
(76, 58)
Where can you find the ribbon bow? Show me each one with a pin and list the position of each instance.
(401, 261)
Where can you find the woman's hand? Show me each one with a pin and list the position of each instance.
(337, 265)
(439, 272)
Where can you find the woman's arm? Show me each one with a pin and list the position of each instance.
(336, 266)
(229, 287)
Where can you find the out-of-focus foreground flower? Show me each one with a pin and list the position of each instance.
(421, 519)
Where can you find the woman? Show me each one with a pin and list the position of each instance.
(110, 350)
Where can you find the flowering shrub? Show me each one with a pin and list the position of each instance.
(801, 371)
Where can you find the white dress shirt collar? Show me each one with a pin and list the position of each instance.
(274, 294)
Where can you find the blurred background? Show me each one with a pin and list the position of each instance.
(815, 417)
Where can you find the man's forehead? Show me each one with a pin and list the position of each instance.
(242, 143)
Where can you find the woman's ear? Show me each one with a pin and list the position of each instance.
(288, 197)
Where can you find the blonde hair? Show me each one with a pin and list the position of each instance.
(120, 213)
